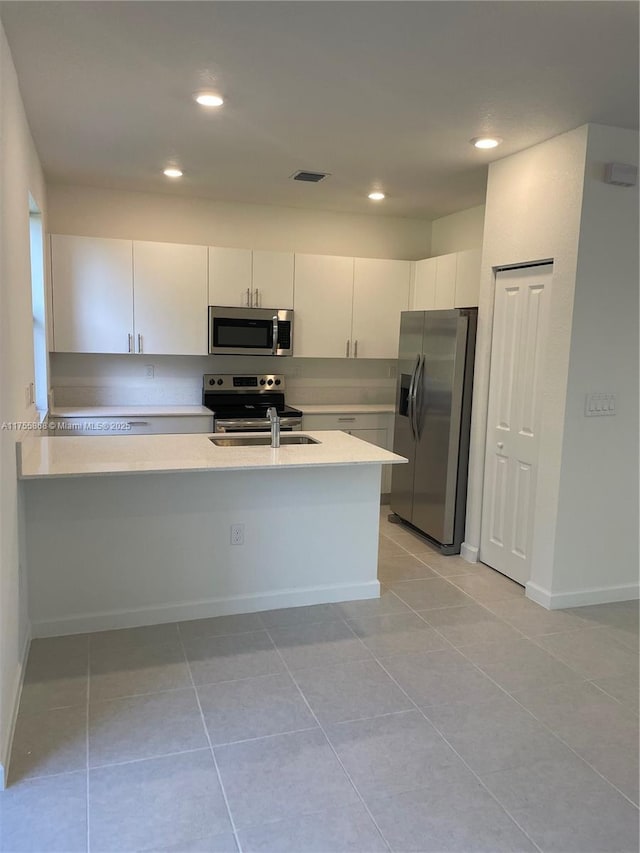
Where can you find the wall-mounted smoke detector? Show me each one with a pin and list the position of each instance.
(309, 177)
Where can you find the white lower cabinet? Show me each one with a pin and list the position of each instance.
(131, 425)
(375, 428)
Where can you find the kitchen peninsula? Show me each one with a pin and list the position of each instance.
(135, 530)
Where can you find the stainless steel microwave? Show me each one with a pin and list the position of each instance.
(250, 331)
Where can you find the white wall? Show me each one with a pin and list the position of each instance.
(20, 174)
(549, 202)
(597, 529)
(533, 212)
(458, 231)
(145, 216)
(120, 380)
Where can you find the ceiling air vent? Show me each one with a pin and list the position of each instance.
(309, 177)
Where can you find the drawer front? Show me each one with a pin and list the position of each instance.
(130, 425)
(346, 421)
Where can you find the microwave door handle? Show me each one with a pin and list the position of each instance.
(412, 398)
(274, 347)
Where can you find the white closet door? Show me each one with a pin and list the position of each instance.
(380, 293)
(170, 298)
(92, 284)
(513, 423)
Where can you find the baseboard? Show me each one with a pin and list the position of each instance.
(5, 755)
(185, 611)
(469, 552)
(582, 597)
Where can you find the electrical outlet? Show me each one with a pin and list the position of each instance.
(149, 371)
(237, 534)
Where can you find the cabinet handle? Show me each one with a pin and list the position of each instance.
(348, 343)
(346, 419)
(130, 338)
(257, 305)
(139, 342)
(248, 298)
(355, 349)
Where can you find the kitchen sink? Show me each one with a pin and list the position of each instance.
(262, 440)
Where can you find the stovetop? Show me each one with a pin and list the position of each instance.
(246, 395)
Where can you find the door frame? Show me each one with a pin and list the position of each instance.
(470, 550)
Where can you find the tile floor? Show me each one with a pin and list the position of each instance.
(449, 715)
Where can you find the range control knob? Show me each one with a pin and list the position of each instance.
(262, 382)
(212, 382)
(277, 382)
(220, 381)
(269, 381)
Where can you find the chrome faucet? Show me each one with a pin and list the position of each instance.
(272, 414)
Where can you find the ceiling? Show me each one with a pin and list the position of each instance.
(377, 93)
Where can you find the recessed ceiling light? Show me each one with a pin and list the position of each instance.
(209, 99)
(486, 141)
(173, 173)
(376, 196)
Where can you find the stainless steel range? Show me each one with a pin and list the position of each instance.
(239, 402)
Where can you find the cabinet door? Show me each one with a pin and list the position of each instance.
(445, 280)
(322, 306)
(229, 276)
(92, 284)
(380, 438)
(170, 298)
(273, 279)
(424, 285)
(380, 293)
(468, 279)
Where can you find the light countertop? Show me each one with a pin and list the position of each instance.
(343, 409)
(86, 456)
(128, 411)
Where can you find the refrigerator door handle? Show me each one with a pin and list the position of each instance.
(419, 392)
(411, 403)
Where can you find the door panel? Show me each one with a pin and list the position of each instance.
(402, 476)
(380, 293)
(439, 396)
(513, 422)
(323, 304)
(92, 282)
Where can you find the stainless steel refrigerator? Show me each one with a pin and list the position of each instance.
(432, 423)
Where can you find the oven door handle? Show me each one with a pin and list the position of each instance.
(275, 334)
(240, 424)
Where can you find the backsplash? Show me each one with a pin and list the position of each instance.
(121, 380)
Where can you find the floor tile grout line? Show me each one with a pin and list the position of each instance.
(477, 777)
(620, 702)
(530, 713)
(324, 733)
(211, 749)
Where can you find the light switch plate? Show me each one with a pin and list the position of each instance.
(599, 404)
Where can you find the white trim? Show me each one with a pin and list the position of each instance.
(205, 609)
(469, 552)
(581, 597)
(5, 755)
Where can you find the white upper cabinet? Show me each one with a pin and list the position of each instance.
(424, 285)
(445, 280)
(272, 280)
(380, 293)
(229, 276)
(322, 303)
(170, 298)
(468, 278)
(92, 283)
